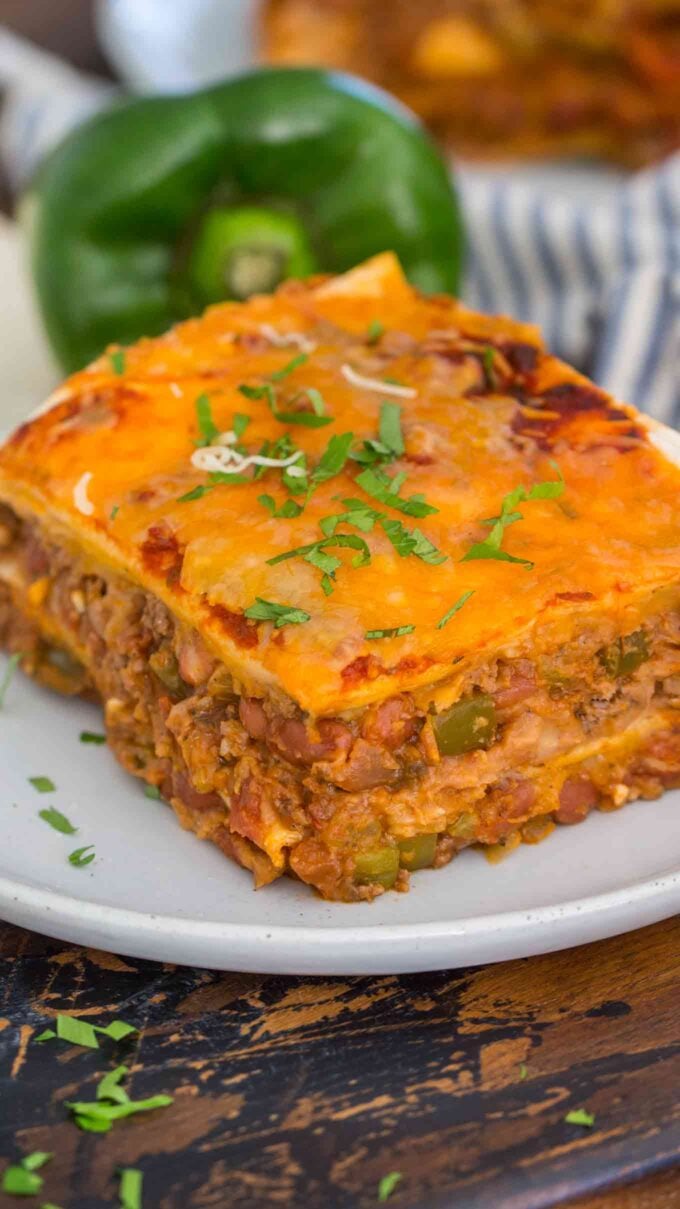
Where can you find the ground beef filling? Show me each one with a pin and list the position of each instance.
(350, 805)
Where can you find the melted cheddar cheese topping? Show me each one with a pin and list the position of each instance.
(106, 464)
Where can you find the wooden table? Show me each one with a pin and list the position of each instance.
(306, 1091)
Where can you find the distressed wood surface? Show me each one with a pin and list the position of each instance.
(304, 1091)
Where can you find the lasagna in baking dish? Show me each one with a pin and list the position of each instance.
(506, 77)
(360, 578)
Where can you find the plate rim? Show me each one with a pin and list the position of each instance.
(342, 950)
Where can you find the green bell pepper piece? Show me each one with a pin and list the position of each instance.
(381, 865)
(417, 852)
(469, 724)
(163, 204)
(624, 656)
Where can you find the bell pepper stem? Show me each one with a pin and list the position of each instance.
(242, 250)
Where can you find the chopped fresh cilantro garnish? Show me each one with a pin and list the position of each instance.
(316, 399)
(391, 442)
(78, 857)
(114, 512)
(152, 791)
(523, 1071)
(77, 1032)
(117, 1030)
(195, 494)
(313, 553)
(390, 428)
(358, 514)
(12, 665)
(109, 1087)
(374, 331)
(454, 609)
(21, 1179)
(488, 363)
(91, 736)
(130, 1192)
(81, 1032)
(381, 487)
(490, 548)
(333, 458)
(57, 821)
(47, 1035)
(396, 632)
(97, 1116)
(42, 784)
(289, 508)
(117, 360)
(240, 424)
(305, 419)
(580, 1116)
(411, 541)
(387, 1185)
(267, 610)
(206, 425)
(289, 367)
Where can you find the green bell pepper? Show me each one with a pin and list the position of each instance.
(624, 656)
(162, 205)
(468, 725)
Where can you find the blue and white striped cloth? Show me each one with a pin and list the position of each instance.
(591, 256)
(595, 262)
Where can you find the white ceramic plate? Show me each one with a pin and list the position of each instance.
(156, 891)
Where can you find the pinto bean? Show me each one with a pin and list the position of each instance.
(578, 795)
(295, 740)
(184, 790)
(518, 690)
(253, 717)
(391, 724)
(196, 664)
(366, 767)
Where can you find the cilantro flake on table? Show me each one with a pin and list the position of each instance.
(98, 1116)
(153, 792)
(21, 1179)
(57, 821)
(387, 1185)
(12, 665)
(82, 1032)
(109, 1087)
(580, 1116)
(91, 736)
(42, 784)
(78, 857)
(130, 1191)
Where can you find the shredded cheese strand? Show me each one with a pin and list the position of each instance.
(376, 384)
(287, 339)
(222, 459)
(81, 499)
